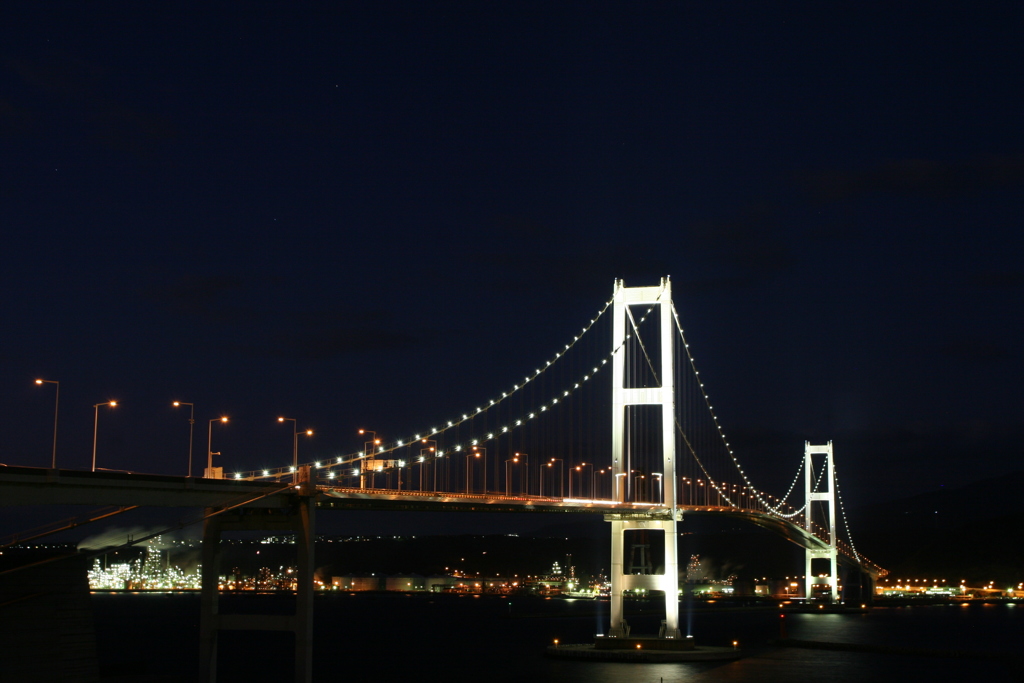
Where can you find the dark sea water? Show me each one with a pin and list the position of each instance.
(416, 637)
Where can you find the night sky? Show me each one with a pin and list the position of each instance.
(379, 214)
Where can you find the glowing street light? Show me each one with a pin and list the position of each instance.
(95, 426)
(425, 453)
(579, 478)
(369, 448)
(477, 452)
(56, 404)
(561, 475)
(593, 482)
(191, 429)
(561, 479)
(295, 444)
(514, 460)
(209, 446)
(661, 490)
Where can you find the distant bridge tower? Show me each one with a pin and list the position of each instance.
(664, 518)
(810, 496)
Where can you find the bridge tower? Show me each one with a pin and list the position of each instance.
(665, 517)
(828, 497)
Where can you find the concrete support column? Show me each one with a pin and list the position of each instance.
(671, 581)
(668, 581)
(617, 627)
(298, 518)
(304, 543)
(208, 612)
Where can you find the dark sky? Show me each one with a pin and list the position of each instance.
(378, 214)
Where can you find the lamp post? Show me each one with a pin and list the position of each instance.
(524, 476)
(593, 482)
(561, 475)
(425, 453)
(295, 444)
(368, 450)
(579, 478)
(661, 490)
(508, 473)
(209, 447)
(95, 426)
(476, 452)
(191, 429)
(56, 405)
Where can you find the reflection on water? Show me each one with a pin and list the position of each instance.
(396, 637)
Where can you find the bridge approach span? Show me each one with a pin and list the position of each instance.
(40, 486)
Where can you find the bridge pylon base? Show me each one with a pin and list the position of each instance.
(670, 633)
(620, 631)
(667, 582)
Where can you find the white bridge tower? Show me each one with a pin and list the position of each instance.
(665, 517)
(828, 497)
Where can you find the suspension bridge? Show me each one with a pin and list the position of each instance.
(616, 422)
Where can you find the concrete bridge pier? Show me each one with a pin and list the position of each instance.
(667, 581)
(298, 518)
(858, 586)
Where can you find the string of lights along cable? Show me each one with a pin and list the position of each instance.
(547, 436)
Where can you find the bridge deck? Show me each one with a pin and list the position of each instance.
(39, 486)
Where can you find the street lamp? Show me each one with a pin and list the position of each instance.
(593, 482)
(661, 490)
(95, 426)
(508, 473)
(639, 487)
(209, 447)
(295, 444)
(191, 429)
(56, 404)
(579, 478)
(369, 447)
(524, 476)
(561, 475)
(477, 452)
(425, 453)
